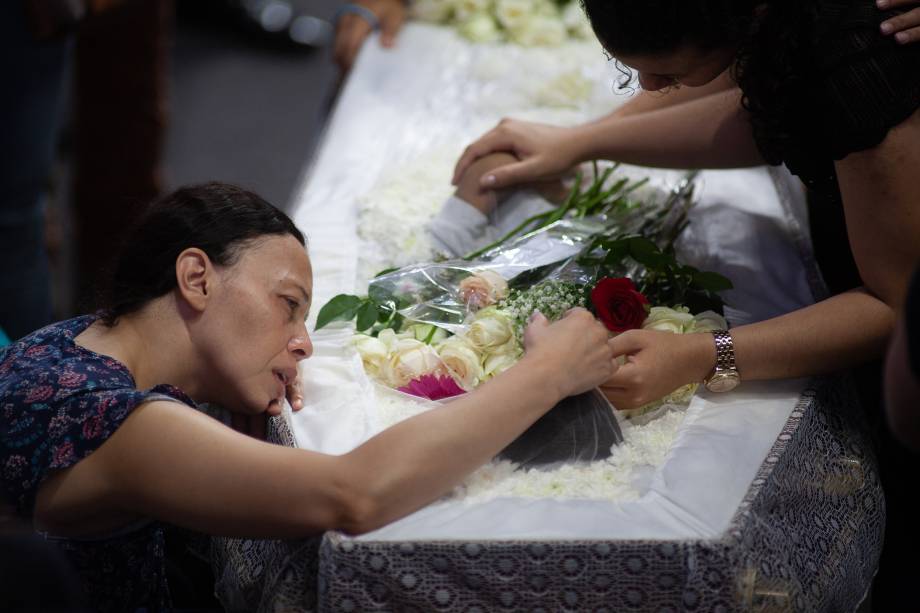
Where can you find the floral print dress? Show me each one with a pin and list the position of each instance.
(58, 403)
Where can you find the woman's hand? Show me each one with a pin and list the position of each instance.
(256, 426)
(906, 26)
(294, 392)
(543, 152)
(657, 363)
(351, 29)
(576, 348)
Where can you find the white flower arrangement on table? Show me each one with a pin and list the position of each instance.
(617, 478)
(439, 330)
(525, 22)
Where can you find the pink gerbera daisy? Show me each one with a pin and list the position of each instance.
(433, 387)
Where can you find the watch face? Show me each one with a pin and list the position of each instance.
(723, 381)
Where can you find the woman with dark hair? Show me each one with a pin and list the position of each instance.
(822, 87)
(99, 440)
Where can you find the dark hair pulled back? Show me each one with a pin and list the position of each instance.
(771, 38)
(634, 27)
(218, 218)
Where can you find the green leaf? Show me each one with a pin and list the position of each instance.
(380, 295)
(711, 281)
(367, 315)
(341, 308)
(386, 271)
(647, 253)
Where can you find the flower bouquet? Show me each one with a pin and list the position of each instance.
(524, 22)
(437, 330)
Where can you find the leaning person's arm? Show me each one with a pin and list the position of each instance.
(834, 334)
(169, 462)
(644, 101)
(880, 196)
(709, 132)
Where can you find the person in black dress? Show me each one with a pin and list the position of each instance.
(812, 84)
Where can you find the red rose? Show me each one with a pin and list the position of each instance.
(618, 305)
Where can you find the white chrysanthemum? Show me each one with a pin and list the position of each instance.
(432, 11)
(576, 22)
(541, 30)
(464, 10)
(568, 90)
(480, 28)
(512, 14)
(644, 447)
(392, 217)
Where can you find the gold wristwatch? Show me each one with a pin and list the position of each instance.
(725, 376)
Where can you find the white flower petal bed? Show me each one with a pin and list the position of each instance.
(619, 478)
(393, 215)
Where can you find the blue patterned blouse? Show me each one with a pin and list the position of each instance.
(58, 403)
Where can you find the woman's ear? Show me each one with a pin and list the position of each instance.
(194, 277)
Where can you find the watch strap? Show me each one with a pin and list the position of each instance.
(725, 350)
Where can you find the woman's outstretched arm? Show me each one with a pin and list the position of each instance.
(170, 462)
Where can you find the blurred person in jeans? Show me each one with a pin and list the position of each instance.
(118, 58)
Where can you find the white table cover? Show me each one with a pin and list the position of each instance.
(429, 93)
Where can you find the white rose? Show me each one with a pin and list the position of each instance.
(390, 338)
(373, 353)
(542, 30)
(666, 319)
(483, 289)
(490, 328)
(681, 395)
(513, 13)
(465, 10)
(409, 360)
(424, 333)
(707, 321)
(432, 11)
(480, 29)
(498, 363)
(462, 360)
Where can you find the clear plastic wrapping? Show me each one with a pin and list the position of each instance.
(581, 428)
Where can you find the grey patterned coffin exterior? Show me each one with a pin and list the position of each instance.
(805, 538)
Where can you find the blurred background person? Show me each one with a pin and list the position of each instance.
(35, 48)
(356, 20)
(112, 101)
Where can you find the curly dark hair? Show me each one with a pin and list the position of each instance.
(657, 26)
(770, 38)
(218, 218)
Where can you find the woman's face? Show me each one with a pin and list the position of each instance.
(687, 66)
(253, 330)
